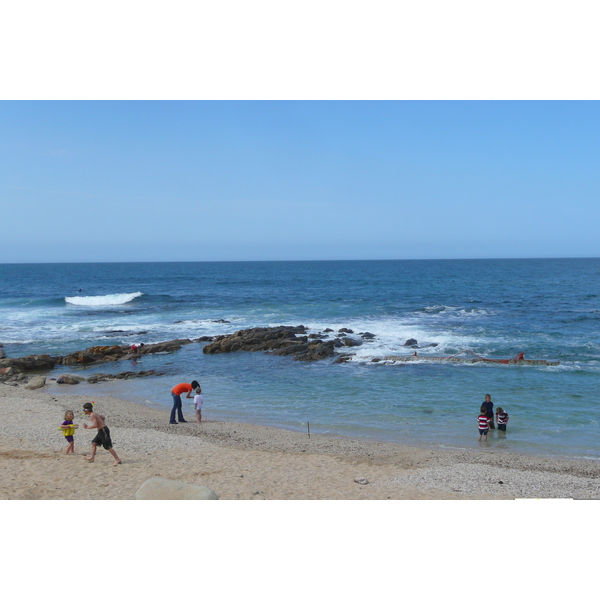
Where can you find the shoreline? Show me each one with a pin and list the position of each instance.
(249, 461)
(105, 389)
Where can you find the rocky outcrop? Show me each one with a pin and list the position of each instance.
(257, 339)
(98, 377)
(284, 340)
(317, 351)
(9, 376)
(34, 362)
(89, 356)
(159, 488)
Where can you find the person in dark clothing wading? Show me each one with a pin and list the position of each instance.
(488, 406)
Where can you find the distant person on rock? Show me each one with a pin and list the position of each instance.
(176, 395)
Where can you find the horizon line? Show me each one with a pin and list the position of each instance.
(108, 262)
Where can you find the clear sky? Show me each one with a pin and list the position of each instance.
(278, 180)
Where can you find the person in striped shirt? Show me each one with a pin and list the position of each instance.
(484, 424)
(501, 418)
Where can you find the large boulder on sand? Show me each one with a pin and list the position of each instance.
(158, 488)
(36, 382)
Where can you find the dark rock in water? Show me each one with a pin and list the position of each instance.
(220, 321)
(345, 330)
(342, 358)
(79, 358)
(348, 341)
(256, 339)
(170, 346)
(123, 333)
(327, 330)
(316, 336)
(124, 375)
(281, 341)
(205, 338)
(316, 352)
(291, 349)
(414, 344)
(341, 335)
(69, 378)
(367, 336)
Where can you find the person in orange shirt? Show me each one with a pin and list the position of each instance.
(176, 394)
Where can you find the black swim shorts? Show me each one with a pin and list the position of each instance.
(103, 438)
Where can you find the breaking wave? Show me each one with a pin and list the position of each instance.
(110, 300)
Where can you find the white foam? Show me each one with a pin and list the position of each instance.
(110, 300)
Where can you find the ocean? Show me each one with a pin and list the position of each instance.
(546, 308)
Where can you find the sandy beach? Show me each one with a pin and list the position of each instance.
(249, 462)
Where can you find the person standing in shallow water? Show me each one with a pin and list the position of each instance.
(488, 405)
(501, 418)
(176, 392)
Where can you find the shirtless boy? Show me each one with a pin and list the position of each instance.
(102, 437)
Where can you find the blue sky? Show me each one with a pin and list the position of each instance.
(298, 180)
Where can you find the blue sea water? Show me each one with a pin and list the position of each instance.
(547, 308)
